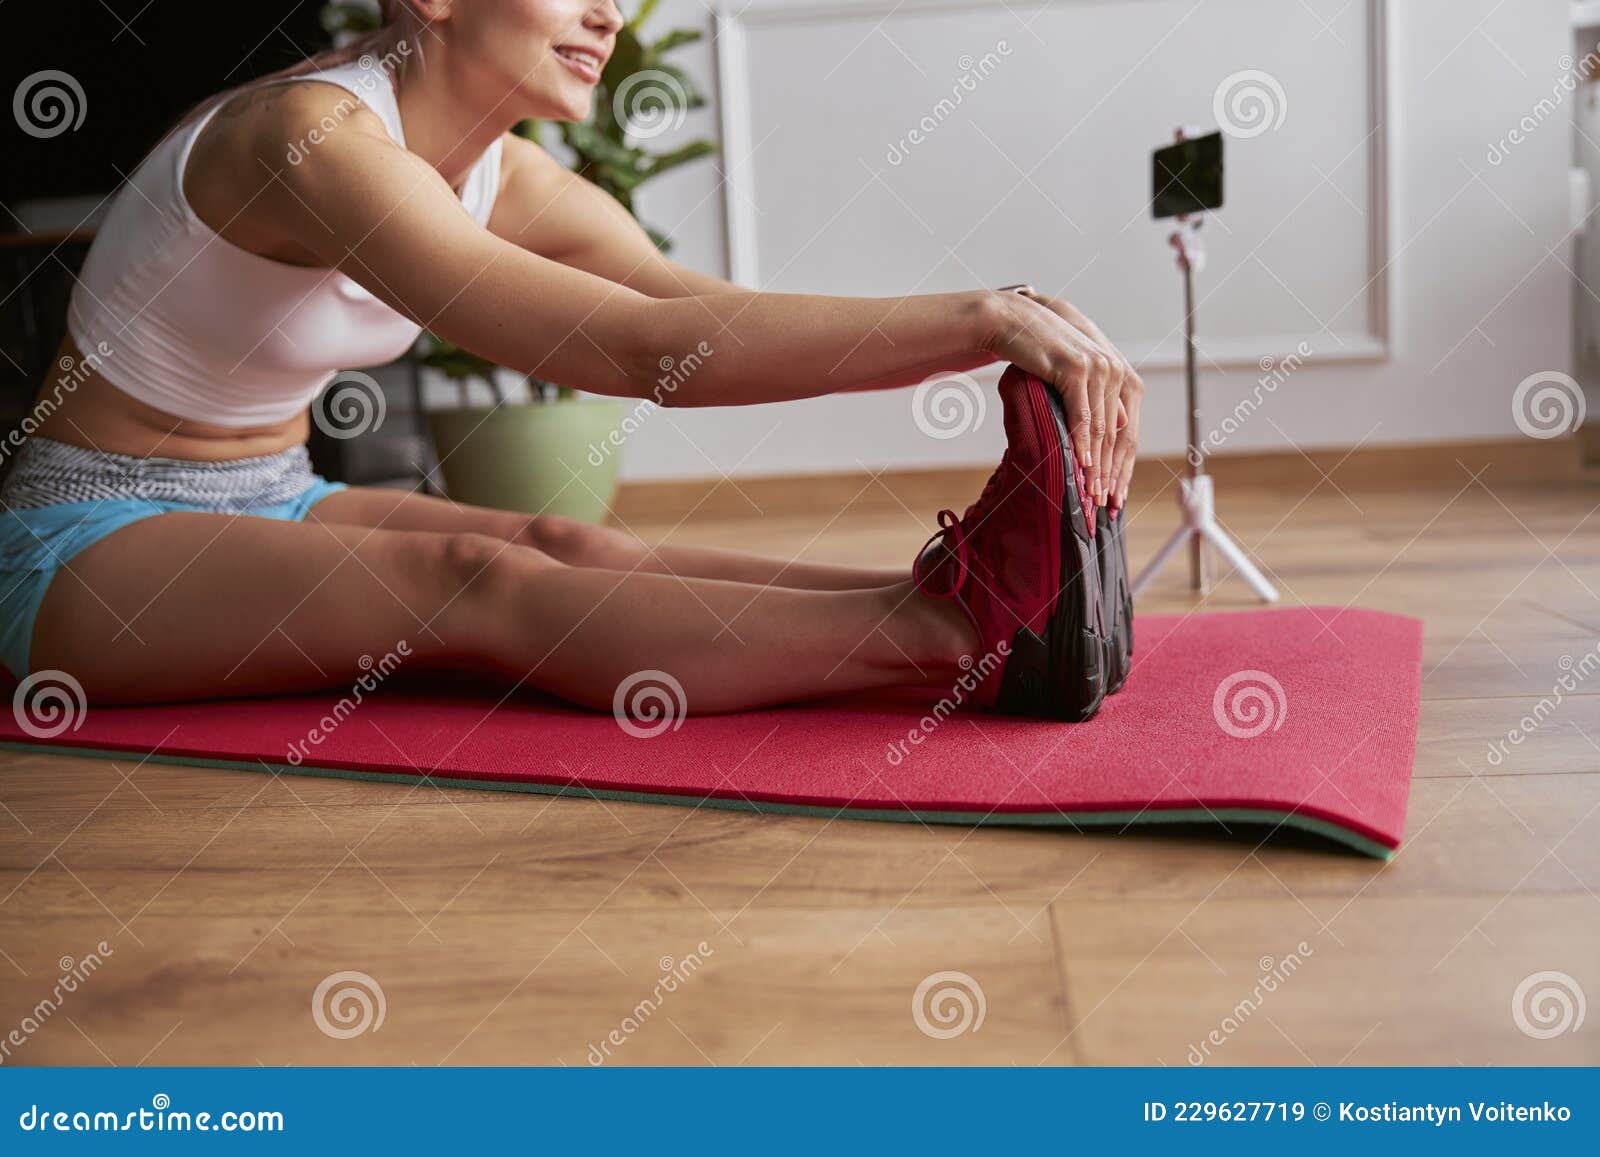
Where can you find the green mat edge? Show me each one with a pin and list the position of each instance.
(1052, 819)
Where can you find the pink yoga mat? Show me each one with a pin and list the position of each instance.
(1304, 717)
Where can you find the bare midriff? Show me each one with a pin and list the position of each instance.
(79, 406)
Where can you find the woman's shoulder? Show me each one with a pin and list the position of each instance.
(256, 146)
(522, 159)
(282, 122)
(529, 174)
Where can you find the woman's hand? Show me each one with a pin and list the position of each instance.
(1122, 431)
(1058, 342)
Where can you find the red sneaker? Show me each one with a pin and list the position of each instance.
(1021, 563)
(1116, 606)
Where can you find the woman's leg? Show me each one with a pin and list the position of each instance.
(184, 606)
(581, 544)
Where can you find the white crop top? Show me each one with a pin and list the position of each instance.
(209, 332)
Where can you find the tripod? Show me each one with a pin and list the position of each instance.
(1195, 497)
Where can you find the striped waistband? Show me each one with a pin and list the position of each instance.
(50, 473)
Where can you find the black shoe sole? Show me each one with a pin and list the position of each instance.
(1062, 676)
(1116, 600)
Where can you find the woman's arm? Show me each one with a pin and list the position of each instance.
(387, 219)
(544, 207)
(547, 209)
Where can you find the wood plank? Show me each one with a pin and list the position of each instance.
(832, 987)
(1493, 736)
(318, 849)
(1292, 981)
(1517, 666)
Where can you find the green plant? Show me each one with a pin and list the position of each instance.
(638, 79)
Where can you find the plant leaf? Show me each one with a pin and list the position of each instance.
(646, 7)
(627, 58)
(675, 39)
(341, 17)
(682, 155)
(451, 360)
(685, 84)
(595, 145)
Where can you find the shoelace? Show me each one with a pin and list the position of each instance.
(953, 530)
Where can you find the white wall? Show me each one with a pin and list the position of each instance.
(1476, 301)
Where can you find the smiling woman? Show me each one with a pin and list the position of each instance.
(164, 537)
(585, 62)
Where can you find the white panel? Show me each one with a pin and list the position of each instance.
(880, 148)
(1481, 292)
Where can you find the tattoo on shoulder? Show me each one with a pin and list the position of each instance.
(249, 101)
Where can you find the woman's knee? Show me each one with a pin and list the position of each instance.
(464, 565)
(580, 543)
(466, 572)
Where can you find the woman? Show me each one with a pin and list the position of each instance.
(165, 539)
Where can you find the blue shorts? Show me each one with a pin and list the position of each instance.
(38, 541)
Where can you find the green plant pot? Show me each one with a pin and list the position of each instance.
(538, 458)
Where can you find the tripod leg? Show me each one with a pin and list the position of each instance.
(1168, 549)
(1229, 550)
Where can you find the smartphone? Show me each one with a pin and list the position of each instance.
(1187, 177)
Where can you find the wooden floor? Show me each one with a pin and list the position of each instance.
(513, 929)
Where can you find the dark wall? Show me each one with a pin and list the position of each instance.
(140, 65)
